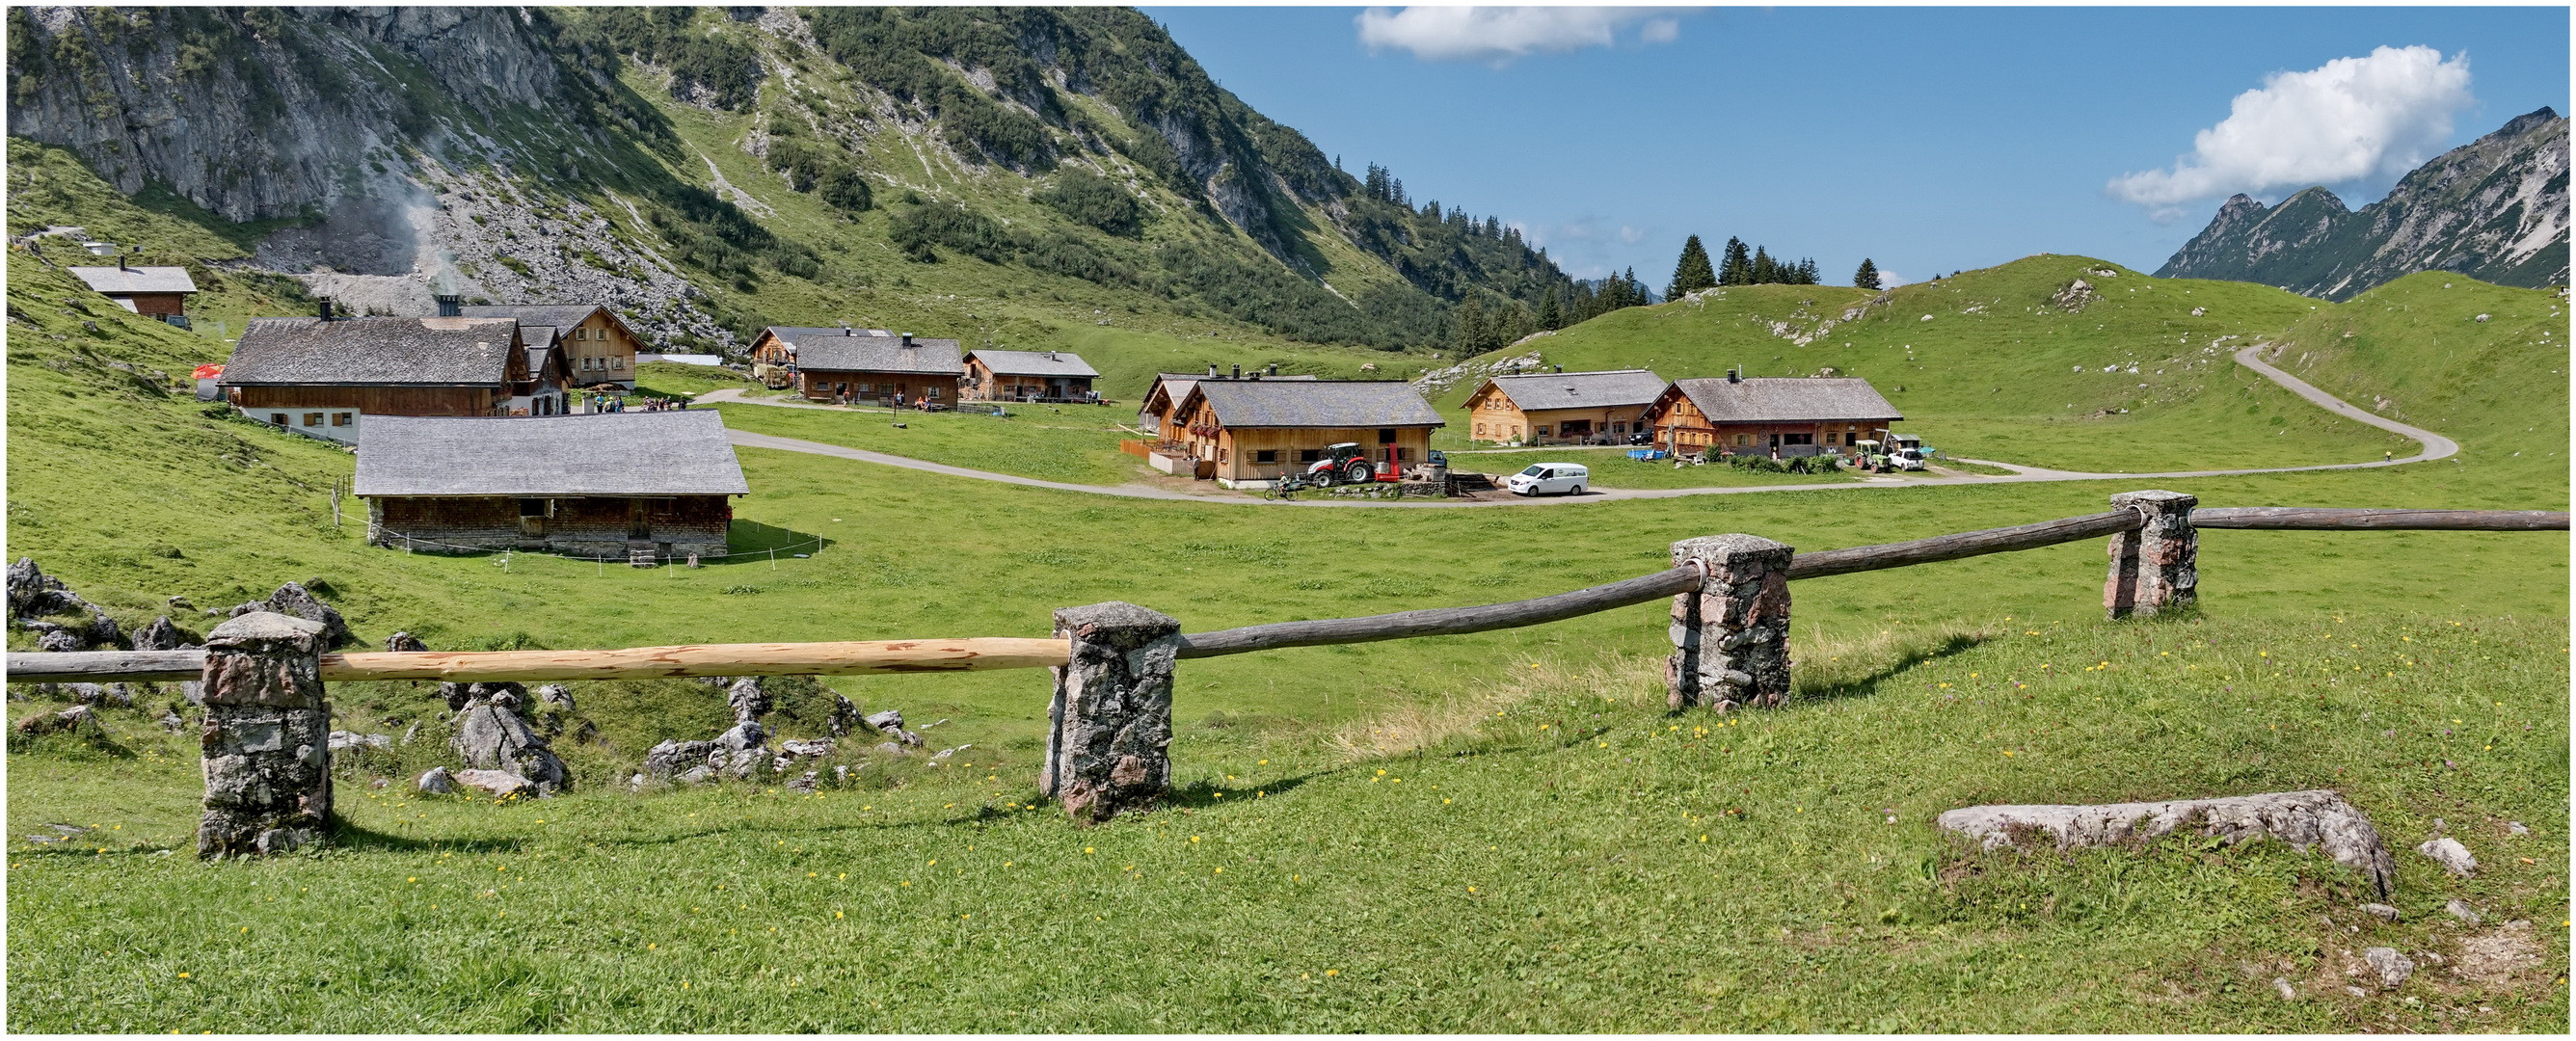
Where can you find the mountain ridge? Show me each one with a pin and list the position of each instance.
(2495, 209)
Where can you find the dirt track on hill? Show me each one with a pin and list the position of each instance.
(2435, 446)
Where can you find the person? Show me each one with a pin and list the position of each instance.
(2387, 457)
(898, 401)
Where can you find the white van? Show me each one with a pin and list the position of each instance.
(1547, 478)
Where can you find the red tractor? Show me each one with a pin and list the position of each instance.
(1342, 464)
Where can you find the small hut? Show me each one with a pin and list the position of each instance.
(641, 486)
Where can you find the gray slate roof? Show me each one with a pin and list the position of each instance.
(1178, 384)
(1609, 389)
(1034, 363)
(1316, 403)
(835, 349)
(556, 320)
(619, 453)
(1786, 399)
(444, 352)
(121, 281)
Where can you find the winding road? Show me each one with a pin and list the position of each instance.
(2435, 446)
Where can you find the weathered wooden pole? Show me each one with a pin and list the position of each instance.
(267, 737)
(2157, 567)
(1731, 635)
(1110, 724)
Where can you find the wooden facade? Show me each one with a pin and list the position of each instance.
(1253, 454)
(1676, 423)
(1493, 416)
(600, 350)
(156, 305)
(605, 527)
(872, 386)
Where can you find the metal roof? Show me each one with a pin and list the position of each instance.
(445, 352)
(1607, 389)
(1314, 403)
(1034, 363)
(617, 453)
(835, 349)
(121, 281)
(1786, 399)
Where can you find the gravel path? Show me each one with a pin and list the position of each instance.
(2435, 446)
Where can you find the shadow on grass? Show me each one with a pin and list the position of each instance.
(1956, 643)
(751, 542)
(358, 838)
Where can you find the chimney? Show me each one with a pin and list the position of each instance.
(326, 308)
(1560, 368)
(120, 263)
(1238, 370)
(1212, 373)
(1273, 369)
(450, 305)
(907, 339)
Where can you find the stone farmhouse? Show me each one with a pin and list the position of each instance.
(1775, 416)
(1246, 433)
(1562, 408)
(645, 487)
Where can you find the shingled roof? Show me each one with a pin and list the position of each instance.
(619, 453)
(835, 349)
(1314, 403)
(558, 319)
(1034, 363)
(1786, 399)
(125, 281)
(443, 352)
(1607, 389)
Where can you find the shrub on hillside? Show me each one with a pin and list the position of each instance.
(1095, 201)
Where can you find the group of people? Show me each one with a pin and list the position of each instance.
(599, 403)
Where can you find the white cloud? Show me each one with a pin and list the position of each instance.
(1500, 35)
(2345, 121)
(1631, 235)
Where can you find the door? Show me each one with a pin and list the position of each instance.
(639, 523)
(532, 518)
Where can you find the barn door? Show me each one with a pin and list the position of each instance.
(639, 523)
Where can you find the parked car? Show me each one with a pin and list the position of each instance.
(1550, 479)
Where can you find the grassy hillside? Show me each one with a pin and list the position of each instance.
(1584, 848)
(1986, 365)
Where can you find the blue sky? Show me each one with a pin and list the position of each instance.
(1927, 139)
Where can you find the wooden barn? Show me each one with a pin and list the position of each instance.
(157, 292)
(836, 363)
(1057, 376)
(1249, 432)
(318, 376)
(1775, 416)
(643, 487)
(597, 346)
(1563, 408)
(1170, 388)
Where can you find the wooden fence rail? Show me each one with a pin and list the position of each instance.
(2323, 518)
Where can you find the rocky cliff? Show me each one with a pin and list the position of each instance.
(2495, 209)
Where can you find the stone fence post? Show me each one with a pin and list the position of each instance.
(1110, 724)
(1731, 635)
(2157, 567)
(267, 738)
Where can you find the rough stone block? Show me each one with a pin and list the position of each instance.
(1110, 723)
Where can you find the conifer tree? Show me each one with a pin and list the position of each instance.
(1692, 273)
(1469, 336)
(1765, 270)
(1736, 269)
(1549, 316)
(1867, 276)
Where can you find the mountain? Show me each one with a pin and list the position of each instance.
(1011, 171)
(2494, 209)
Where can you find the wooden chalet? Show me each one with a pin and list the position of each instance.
(1562, 408)
(597, 346)
(1170, 388)
(1059, 376)
(1249, 432)
(839, 363)
(1775, 416)
(157, 292)
(318, 376)
(639, 486)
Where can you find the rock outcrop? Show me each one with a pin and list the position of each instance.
(2317, 818)
(494, 733)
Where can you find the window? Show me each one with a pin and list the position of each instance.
(1743, 440)
(1265, 455)
(278, 418)
(533, 508)
(618, 362)
(312, 419)
(1542, 430)
(1309, 455)
(1386, 436)
(1619, 428)
(1403, 455)
(932, 393)
(341, 419)
(1480, 430)
(1798, 439)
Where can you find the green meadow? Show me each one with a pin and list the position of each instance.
(1501, 831)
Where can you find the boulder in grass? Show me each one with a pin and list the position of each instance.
(2453, 856)
(2393, 968)
(501, 783)
(401, 642)
(436, 781)
(77, 719)
(163, 635)
(293, 599)
(2318, 818)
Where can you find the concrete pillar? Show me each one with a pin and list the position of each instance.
(2157, 567)
(267, 737)
(1110, 725)
(1731, 635)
